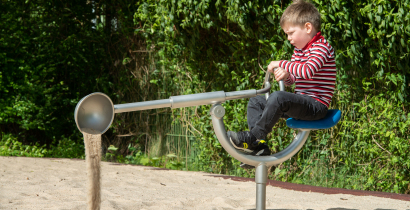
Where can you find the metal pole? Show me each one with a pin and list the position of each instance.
(189, 100)
(145, 105)
(281, 85)
(261, 178)
(267, 84)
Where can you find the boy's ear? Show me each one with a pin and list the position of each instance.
(308, 27)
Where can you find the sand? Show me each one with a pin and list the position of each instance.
(39, 183)
(92, 143)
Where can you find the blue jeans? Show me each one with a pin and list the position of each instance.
(264, 114)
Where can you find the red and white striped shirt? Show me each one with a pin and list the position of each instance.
(313, 69)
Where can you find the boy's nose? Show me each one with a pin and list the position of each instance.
(289, 38)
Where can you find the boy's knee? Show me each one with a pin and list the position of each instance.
(278, 99)
(253, 100)
(256, 101)
(277, 95)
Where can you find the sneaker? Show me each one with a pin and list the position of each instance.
(262, 149)
(243, 140)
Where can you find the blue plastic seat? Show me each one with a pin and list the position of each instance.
(332, 118)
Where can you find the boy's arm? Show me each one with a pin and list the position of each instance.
(290, 80)
(315, 61)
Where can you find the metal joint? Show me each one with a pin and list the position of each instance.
(218, 111)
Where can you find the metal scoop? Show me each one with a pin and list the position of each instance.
(94, 111)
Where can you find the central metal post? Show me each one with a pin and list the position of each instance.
(261, 178)
(262, 163)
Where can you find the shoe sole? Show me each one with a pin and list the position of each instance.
(240, 148)
(260, 152)
(246, 166)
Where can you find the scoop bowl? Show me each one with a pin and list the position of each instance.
(94, 111)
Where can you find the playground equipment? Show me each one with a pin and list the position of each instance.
(96, 111)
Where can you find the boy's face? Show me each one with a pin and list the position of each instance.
(297, 35)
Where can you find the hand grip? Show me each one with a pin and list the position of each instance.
(281, 84)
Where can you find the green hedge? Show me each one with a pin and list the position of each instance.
(53, 53)
(223, 45)
(50, 58)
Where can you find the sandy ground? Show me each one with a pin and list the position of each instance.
(36, 183)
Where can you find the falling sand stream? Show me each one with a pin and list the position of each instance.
(92, 142)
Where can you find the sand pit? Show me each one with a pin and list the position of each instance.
(36, 183)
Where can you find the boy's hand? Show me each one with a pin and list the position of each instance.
(272, 66)
(280, 74)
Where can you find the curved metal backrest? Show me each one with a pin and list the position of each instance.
(217, 112)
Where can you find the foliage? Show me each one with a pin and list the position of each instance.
(66, 148)
(225, 45)
(54, 53)
(170, 161)
(10, 146)
(51, 56)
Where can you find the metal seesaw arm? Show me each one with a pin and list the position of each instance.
(195, 99)
(96, 110)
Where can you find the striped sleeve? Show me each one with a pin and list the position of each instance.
(316, 59)
(290, 80)
(293, 57)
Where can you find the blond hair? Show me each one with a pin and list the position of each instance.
(299, 13)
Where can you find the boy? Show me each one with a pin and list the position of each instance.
(312, 69)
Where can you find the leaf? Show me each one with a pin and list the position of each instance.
(171, 155)
(269, 17)
(393, 79)
(392, 34)
(277, 171)
(353, 49)
(378, 18)
(112, 148)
